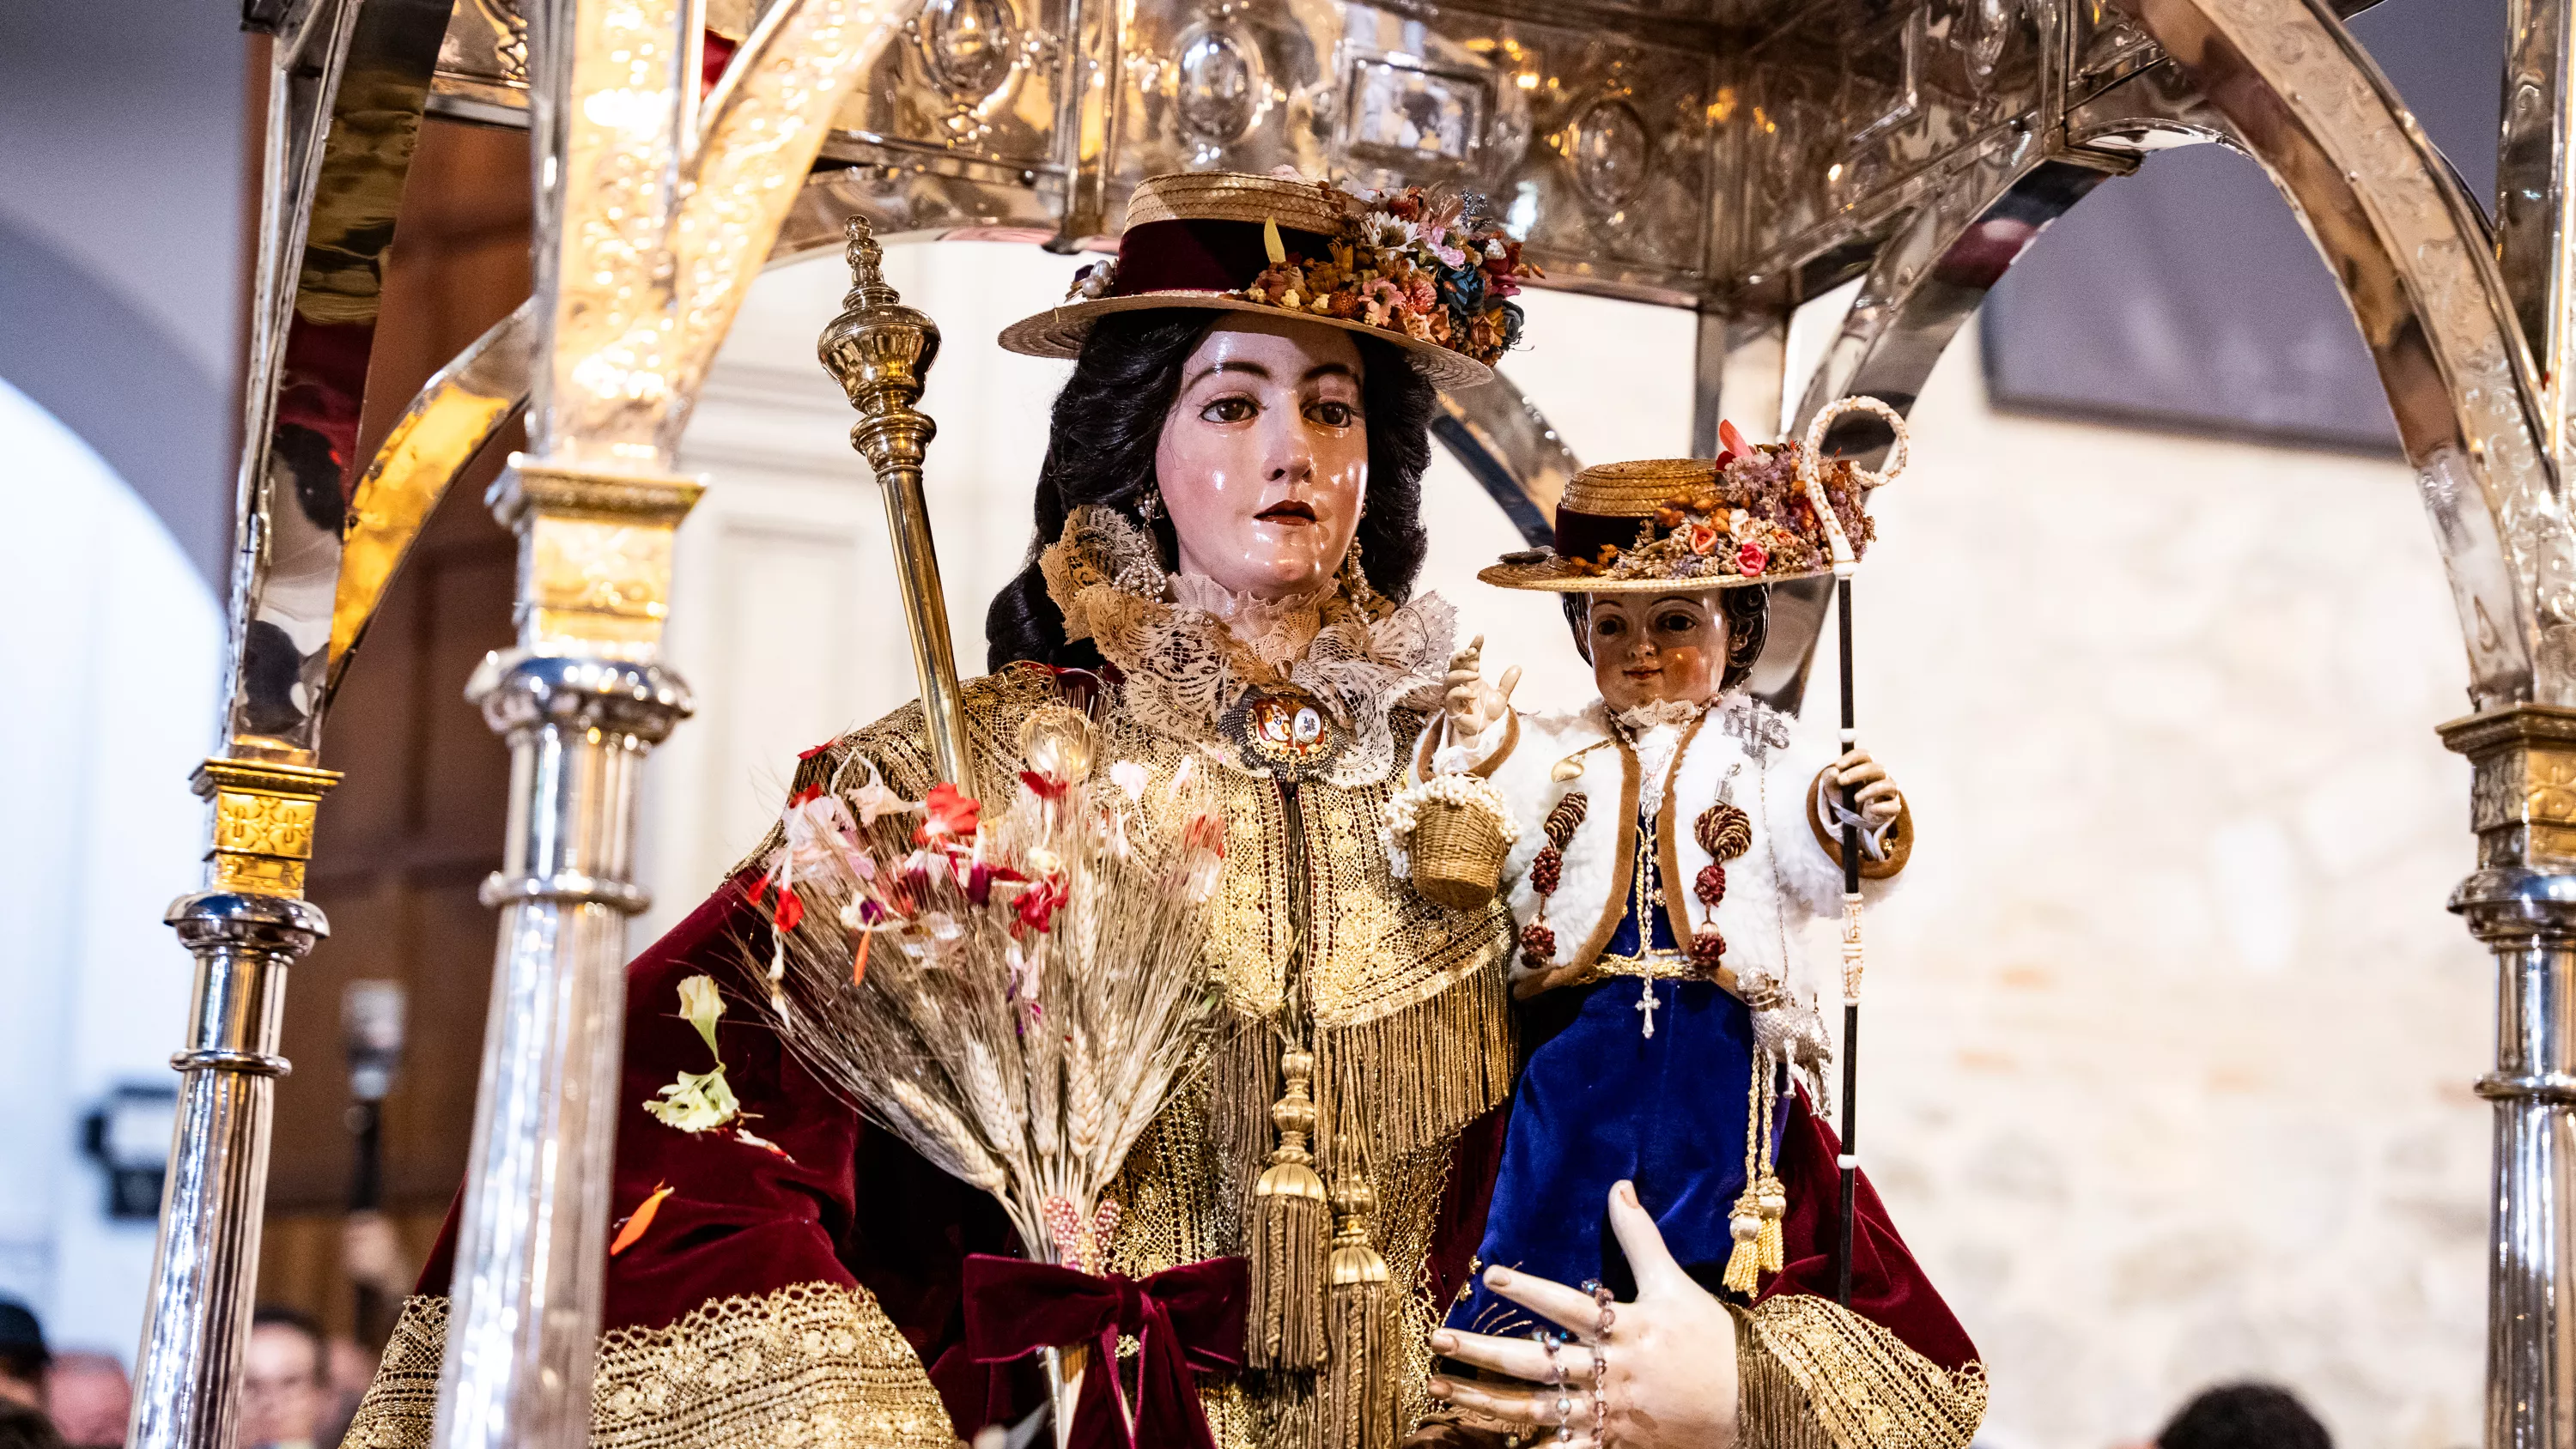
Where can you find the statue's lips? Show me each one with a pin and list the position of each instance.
(1287, 510)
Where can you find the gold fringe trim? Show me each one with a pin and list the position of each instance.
(813, 1365)
(1454, 1051)
(1816, 1375)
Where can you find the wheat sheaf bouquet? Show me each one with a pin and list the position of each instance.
(1014, 993)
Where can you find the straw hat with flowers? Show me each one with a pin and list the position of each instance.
(1752, 515)
(1420, 267)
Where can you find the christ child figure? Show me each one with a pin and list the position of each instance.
(1668, 848)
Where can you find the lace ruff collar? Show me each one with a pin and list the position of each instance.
(1188, 649)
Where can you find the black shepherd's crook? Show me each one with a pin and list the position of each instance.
(1845, 564)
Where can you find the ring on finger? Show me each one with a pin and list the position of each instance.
(1601, 1360)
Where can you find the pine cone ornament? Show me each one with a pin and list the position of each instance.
(1711, 885)
(1545, 869)
(1706, 950)
(1724, 831)
(1562, 821)
(1538, 943)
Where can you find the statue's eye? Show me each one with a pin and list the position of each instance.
(1609, 626)
(1236, 409)
(1334, 413)
(1677, 623)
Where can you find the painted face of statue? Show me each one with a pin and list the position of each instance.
(1264, 458)
(1650, 648)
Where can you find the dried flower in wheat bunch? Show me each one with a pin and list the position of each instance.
(1013, 993)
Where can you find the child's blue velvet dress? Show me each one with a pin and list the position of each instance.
(1600, 1101)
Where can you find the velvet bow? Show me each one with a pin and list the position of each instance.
(1185, 1320)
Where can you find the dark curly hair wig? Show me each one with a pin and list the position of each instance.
(1100, 449)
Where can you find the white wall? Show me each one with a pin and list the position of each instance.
(2170, 1038)
(111, 644)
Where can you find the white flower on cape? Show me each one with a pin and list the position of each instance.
(702, 1006)
(1129, 776)
(698, 1101)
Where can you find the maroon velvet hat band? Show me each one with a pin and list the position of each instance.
(1200, 256)
(1582, 535)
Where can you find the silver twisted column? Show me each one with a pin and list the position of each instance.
(581, 699)
(532, 1237)
(187, 1389)
(644, 247)
(2522, 904)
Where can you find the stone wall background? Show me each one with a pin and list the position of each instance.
(2169, 1044)
(2169, 1038)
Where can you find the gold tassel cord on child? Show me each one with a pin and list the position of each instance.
(1284, 1328)
(1755, 1222)
(1359, 1398)
(1774, 1204)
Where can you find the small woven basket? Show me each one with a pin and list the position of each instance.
(1457, 854)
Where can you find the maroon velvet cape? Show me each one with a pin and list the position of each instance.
(849, 1204)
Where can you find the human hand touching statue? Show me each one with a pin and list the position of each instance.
(1667, 1360)
(1473, 706)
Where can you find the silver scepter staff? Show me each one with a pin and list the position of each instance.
(1846, 563)
(880, 351)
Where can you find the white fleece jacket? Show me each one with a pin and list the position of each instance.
(1782, 881)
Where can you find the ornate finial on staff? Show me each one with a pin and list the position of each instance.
(881, 351)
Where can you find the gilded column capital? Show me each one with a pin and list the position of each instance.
(2522, 799)
(264, 814)
(594, 555)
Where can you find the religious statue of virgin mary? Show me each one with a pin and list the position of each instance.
(1223, 567)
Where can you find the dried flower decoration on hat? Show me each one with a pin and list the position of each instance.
(1748, 516)
(1421, 261)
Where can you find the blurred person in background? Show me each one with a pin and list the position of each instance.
(23, 1357)
(282, 1392)
(2244, 1416)
(90, 1398)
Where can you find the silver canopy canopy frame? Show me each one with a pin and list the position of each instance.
(1735, 157)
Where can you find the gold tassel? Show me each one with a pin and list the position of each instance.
(1775, 1208)
(1744, 1264)
(1284, 1326)
(1754, 1222)
(1359, 1400)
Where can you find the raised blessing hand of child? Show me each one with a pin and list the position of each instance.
(1473, 706)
